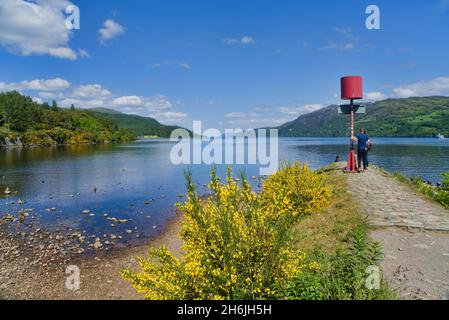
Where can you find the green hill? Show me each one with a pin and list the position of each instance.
(411, 117)
(23, 121)
(140, 126)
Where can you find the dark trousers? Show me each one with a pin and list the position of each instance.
(362, 155)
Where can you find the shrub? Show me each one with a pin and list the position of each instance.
(443, 191)
(295, 190)
(342, 275)
(439, 193)
(37, 138)
(235, 247)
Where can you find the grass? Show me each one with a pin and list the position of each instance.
(439, 194)
(338, 239)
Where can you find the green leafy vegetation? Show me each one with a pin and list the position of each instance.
(439, 193)
(412, 117)
(337, 240)
(43, 125)
(237, 244)
(284, 244)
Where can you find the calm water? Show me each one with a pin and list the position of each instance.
(138, 181)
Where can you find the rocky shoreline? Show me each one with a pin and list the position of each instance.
(6, 143)
(33, 264)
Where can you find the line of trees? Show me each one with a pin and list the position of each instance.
(42, 124)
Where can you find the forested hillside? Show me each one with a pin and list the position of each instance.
(24, 121)
(140, 126)
(411, 117)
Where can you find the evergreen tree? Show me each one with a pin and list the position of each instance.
(54, 106)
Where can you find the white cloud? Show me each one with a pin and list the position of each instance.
(128, 101)
(35, 28)
(172, 115)
(184, 65)
(83, 103)
(51, 95)
(235, 115)
(83, 53)
(375, 96)
(143, 105)
(344, 40)
(245, 40)
(437, 86)
(56, 84)
(297, 111)
(90, 90)
(37, 100)
(262, 117)
(158, 103)
(110, 30)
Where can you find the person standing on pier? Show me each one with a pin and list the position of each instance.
(363, 147)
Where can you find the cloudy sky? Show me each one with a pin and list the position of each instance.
(229, 63)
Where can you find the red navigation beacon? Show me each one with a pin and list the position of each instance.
(352, 89)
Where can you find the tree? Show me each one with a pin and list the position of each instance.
(72, 107)
(3, 116)
(54, 106)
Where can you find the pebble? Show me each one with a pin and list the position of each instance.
(97, 244)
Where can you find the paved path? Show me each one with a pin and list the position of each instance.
(413, 231)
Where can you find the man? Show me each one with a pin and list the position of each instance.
(363, 146)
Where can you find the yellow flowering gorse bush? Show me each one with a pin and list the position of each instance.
(237, 244)
(295, 190)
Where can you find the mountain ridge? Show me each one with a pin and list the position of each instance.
(405, 117)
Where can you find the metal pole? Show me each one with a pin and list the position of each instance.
(352, 124)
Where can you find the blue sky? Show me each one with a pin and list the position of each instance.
(229, 63)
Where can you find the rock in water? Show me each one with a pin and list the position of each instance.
(8, 191)
(97, 243)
